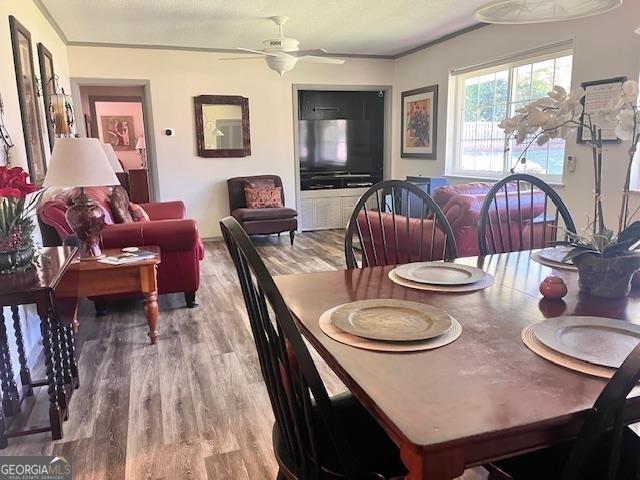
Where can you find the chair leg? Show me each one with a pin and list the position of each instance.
(101, 307)
(190, 299)
(292, 235)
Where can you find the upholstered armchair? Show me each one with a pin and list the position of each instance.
(261, 221)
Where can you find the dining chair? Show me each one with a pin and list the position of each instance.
(314, 436)
(395, 222)
(521, 212)
(605, 449)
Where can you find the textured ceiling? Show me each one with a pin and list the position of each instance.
(372, 27)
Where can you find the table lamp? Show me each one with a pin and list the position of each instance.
(142, 151)
(112, 157)
(82, 162)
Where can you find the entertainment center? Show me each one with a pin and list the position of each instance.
(341, 151)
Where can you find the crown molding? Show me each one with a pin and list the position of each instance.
(45, 12)
(442, 39)
(52, 21)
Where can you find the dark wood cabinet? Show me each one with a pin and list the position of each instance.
(139, 185)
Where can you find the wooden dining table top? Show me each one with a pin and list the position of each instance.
(482, 397)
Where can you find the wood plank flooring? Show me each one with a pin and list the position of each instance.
(192, 407)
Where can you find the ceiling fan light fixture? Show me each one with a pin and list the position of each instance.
(281, 63)
(541, 11)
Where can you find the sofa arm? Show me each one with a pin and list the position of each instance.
(164, 210)
(169, 235)
(463, 211)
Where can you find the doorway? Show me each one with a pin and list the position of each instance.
(119, 113)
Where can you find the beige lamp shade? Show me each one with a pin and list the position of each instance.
(79, 162)
(140, 143)
(113, 158)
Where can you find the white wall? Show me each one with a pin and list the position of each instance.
(605, 46)
(178, 76)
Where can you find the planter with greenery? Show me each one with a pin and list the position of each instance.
(17, 205)
(606, 260)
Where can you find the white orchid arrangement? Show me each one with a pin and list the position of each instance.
(558, 115)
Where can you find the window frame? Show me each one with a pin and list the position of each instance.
(456, 125)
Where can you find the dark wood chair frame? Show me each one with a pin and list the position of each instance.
(296, 391)
(605, 420)
(397, 189)
(486, 225)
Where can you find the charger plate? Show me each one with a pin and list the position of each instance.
(327, 326)
(391, 320)
(601, 341)
(486, 282)
(440, 273)
(531, 341)
(552, 259)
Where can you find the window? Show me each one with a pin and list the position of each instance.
(481, 98)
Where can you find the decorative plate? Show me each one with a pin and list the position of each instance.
(440, 273)
(601, 341)
(556, 254)
(391, 320)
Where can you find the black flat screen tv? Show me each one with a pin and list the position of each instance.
(337, 146)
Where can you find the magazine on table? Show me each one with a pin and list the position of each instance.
(128, 257)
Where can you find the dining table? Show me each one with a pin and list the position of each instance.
(484, 397)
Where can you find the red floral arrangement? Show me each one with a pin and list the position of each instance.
(16, 225)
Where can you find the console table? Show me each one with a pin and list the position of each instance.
(39, 285)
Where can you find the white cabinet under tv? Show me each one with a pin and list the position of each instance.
(327, 209)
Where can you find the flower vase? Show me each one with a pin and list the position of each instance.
(607, 277)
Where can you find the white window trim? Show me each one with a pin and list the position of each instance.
(455, 99)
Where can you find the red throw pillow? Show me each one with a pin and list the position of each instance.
(138, 213)
(263, 198)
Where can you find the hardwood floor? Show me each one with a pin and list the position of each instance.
(192, 407)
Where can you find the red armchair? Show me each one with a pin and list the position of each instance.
(180, 245)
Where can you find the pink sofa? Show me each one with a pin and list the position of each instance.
(461, 205)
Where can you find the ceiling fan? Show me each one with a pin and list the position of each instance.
(282, 54)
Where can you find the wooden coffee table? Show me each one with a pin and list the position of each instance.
(94, 279)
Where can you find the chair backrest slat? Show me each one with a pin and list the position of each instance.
(539, 197)
(296, 392)
(394, 239)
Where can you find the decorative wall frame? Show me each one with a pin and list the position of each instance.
(26, 82)
(47, 79)
(243, 147)
(419, 123)
(597, 94)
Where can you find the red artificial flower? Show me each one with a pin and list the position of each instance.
(14, 179)
(10, 192)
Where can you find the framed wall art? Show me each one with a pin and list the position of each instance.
(119, 131)
(47, 79)
(26, 81)
(597, 95)
(419, 123)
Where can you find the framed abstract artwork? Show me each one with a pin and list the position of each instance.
(119, 131)
(419, 122)
(25, 78)
(47, 77)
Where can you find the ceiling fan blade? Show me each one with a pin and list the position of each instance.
(260, 52)
(302, 53)
(242, 58)
(312, 58)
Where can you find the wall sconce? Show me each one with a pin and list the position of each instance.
(5, 139)
(60, 109)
